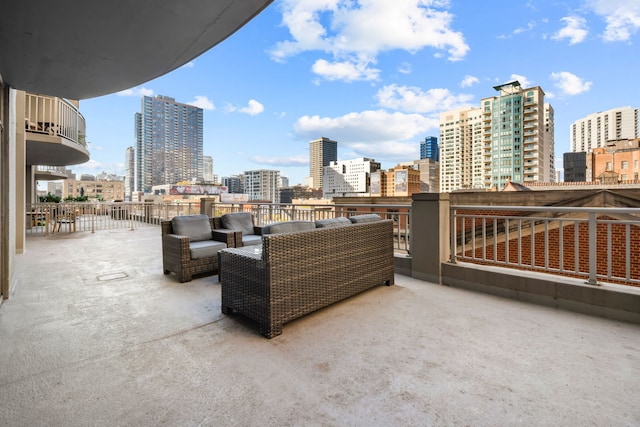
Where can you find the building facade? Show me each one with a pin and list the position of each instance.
(617, 162)
(322, 152)
(207, 169)
(169, 142)
(575, 166)
(129, 172)
(348, 178)
(262, 185)
(94, 189)
(429, 149)
(400, 181)
(597, 129)
(509, 138)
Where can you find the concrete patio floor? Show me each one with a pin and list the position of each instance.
(95, 334)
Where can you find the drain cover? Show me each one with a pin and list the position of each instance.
(112, 276)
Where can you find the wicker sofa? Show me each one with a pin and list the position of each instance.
(190, 246)
(296, 273)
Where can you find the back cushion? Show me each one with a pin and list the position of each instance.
(238, 221)
(288, 227)
(356, 219)
(332, 222)
(196, 227)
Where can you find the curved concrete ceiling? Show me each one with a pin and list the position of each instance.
(80, 49)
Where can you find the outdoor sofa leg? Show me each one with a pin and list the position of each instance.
(270, 332)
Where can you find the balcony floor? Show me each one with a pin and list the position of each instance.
(95, 334)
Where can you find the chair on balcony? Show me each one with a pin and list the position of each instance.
(66, 217)
(190, 246)
(242, 223)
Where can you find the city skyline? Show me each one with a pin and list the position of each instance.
(376, 76)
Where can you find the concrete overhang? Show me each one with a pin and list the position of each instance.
(48, 150)
(80, 49)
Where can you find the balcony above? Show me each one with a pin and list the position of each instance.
(55, 132)
(80, 49)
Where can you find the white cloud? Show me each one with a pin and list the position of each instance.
(203, 102)
(299, 160)
(469, 81)
(530, 26)
(253, 108)
(524, 82)
(346, 71)
(136, 91)
(574, 30)
(570, 84)
(404, 68)
(377, 126)
(415, 100)
(357, 32)
(621, 16)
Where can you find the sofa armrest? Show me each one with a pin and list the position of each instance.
(175, 248)
(225, 236)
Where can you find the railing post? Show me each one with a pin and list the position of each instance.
(430, 235)
(452, 244)
(593, 267)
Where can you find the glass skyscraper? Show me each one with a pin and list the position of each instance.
(169, 141)
(429, 149)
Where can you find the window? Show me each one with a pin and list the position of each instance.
(624, 164)
(608, 166)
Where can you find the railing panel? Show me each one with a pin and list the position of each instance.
(605, 242)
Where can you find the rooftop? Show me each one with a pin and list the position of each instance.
(95, 334)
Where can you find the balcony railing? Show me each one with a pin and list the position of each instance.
(55, 117)
(268, 213)
(598, 244)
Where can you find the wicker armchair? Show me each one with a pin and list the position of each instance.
(243, 224)
(190, 246)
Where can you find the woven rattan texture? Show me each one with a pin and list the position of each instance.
(298, 273)
(176, 256)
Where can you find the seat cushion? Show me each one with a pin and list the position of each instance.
(288, 227)
(242, 221)
(333, 222)
(196, 227)
(252, 239)
(356, 219)
(205, 249)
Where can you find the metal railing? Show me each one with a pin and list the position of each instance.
(46, 218)
(598, 244)
(268, 213)
(54, 116)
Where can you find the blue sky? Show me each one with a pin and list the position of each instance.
(374, 75)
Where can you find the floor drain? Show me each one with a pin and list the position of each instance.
(112, 276)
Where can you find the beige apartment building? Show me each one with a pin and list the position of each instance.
(510, 138)
(104, 190)
(401, 181)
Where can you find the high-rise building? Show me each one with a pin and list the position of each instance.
(262, 185)
(168, 143)
(348, 178)
(509, 138)
(322, 152)
(207, 169)
(429, 148)
(597, 129)
(129, 172)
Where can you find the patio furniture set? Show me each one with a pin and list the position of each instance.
(282, 271)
